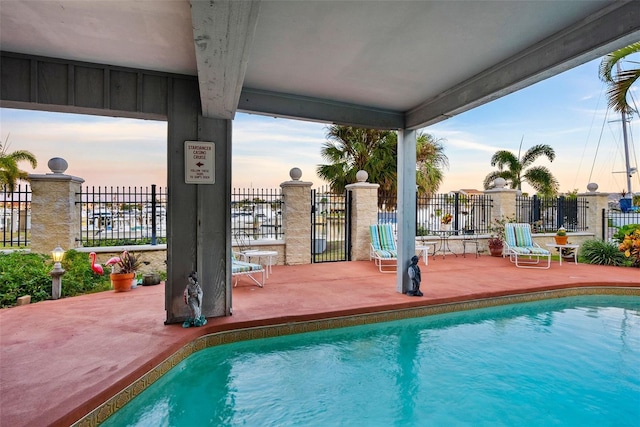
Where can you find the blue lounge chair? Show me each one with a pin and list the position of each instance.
(243, 268)
(521, 248)
(383, 249)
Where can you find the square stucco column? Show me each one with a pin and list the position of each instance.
(597, 202)
(55, 216)
(364, 212)
(503, 201)
(296, 219)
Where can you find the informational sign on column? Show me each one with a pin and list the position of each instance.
(199, 162)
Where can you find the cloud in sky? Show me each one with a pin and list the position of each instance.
(567, 112)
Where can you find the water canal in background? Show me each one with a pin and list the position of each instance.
(568, 361)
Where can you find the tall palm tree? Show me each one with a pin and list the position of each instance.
(514, 169)
(351, 149)
(431, 162)
(10, 173)
(620, 81)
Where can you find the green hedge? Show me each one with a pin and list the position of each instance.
(24, 273)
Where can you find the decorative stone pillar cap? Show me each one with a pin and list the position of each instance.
(592, 187)
(499, 183)
(295, 174)
(57, 165)
(362, 176)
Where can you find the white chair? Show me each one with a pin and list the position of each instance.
(383, 249)
(243, 268)
(521, 248)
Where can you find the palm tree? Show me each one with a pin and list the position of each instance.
(431, 162)
(10, 173)
(620, 82)
(514, 169)
(351, 149)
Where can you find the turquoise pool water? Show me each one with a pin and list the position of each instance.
(565, 362)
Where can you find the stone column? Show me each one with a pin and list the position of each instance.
(296, 219)
(55, 216)
(504, 200)
(597, 202)
(364, 212)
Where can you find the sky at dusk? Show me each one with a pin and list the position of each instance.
(568, 112)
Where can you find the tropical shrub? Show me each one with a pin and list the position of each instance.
(625, 230)
(596, 251)
(28, 274)
(630, 246)
(24, 274)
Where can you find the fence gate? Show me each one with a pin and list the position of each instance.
(330, 226)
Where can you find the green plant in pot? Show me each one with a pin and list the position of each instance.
(561, 236)
(123, 270)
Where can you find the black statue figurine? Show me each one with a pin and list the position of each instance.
(414, 275)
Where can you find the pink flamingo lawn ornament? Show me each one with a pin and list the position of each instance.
(97, 268)
(113, 261)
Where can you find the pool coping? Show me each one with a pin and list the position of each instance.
(120, 399)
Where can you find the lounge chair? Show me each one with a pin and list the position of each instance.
(521, 248)
(243, 268)
(383, 249)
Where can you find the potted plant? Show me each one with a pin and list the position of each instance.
(123, 271)
(446, 221)
(561, 236)
(625, 202)
(495, 246)
(497, 229)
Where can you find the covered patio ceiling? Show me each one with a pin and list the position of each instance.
(383, 64)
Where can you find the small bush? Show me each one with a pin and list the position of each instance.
(28, 274)
(23, 274)
(599, 252)
(630, 246)
(79, 278)
(625, 230)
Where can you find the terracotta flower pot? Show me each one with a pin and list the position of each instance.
(496, 251)
(561, 240)
(122, 282)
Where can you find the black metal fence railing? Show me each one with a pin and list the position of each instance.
(15, 217)
(330, 225)
(466, 213)
(615, 219)
(257, 213)
(122, 216)
(546, 215)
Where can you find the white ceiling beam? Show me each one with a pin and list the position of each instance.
(319, 110)
(611, 28)
(222, 32)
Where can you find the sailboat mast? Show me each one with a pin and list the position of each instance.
(626, 146)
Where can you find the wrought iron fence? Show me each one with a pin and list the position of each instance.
(330, 225)
(122, 216)
(257, 213)
(15, 217)
(547, 214)
(466, 213)
(614, 219)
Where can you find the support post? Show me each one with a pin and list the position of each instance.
(406, 206)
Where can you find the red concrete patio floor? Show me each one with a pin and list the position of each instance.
(61, 359)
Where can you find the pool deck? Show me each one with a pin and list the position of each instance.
(61, 359)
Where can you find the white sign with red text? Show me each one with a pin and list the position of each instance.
(199, 162)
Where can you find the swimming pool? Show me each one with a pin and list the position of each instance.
(567, 361)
